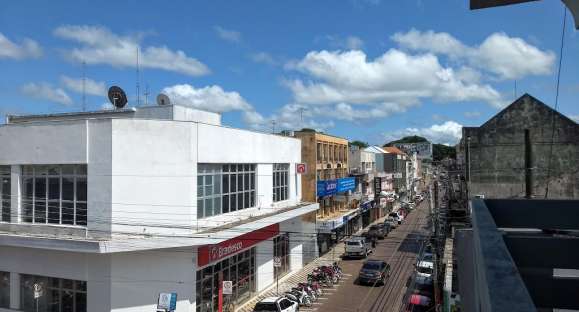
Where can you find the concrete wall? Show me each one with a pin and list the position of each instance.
(497, 152)
(127, 282)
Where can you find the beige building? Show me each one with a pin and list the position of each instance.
(326, 157)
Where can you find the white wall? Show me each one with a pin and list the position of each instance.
(139, 277)
(47, 143)
(123, 282)
(153, 176)
(227, 145)
(264, 264)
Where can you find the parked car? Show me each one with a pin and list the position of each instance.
(276, 304)
(357, 246)
(377, 230)
(374, 272)
(421, 285)
(419, 303)
(425, 268)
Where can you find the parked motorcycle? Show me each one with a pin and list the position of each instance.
(299, 296)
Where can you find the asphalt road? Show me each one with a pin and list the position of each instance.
(399, 249)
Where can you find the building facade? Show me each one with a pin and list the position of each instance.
(104, 211)
(327, 182)
(494, 153)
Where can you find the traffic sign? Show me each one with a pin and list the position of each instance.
(301, 168)
(38, 290)
(277, 262)
(227, 287)
(167, 301)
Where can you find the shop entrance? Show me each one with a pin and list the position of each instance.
(240, 269)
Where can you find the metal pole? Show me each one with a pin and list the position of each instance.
(468, 161)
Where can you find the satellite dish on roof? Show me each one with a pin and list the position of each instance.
(163, 99)
(117, 97)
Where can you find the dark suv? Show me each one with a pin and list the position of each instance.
(378, 231)
(374, 272)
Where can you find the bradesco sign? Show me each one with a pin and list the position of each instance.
(211, 253)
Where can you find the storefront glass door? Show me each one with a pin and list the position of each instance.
(240, 269)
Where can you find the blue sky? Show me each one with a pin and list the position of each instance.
(362, 69)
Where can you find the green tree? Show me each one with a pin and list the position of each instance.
(359, 144)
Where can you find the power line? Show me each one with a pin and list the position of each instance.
(556, 100)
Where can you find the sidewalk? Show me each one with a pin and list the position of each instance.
(293, 278)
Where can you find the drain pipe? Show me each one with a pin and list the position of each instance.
(528, 166)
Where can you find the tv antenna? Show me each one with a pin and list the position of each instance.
(146, 94)
(117, 97)
(273, 126)
(138, 80)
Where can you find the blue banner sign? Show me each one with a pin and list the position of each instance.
(327, 187)
(331, 187)
(346, 184)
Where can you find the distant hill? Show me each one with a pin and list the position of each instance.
(408, 139)
(439, 151)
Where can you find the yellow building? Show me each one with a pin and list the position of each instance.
(326, 157)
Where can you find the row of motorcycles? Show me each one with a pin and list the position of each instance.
(305, 294)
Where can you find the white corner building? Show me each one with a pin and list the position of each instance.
(104, 211)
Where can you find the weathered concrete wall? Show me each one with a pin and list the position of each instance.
(498, 153)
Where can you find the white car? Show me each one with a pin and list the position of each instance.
(424, 268)
(276, 304)
(356, 246)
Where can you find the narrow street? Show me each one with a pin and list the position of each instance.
(399, 249)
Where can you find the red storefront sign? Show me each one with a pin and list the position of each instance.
(210, 253)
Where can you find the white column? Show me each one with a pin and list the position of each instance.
(296, 251)
(264, 263)
(14, 291)
(16, 192)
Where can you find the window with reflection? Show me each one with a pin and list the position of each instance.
(58, 295)
(224, 188)
(54, 194)
(5, 193)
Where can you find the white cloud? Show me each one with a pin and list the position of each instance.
(92, 87)
(26, 49)
(506, 57)
(474, 114)
(575, 118)
(227, 34)
(288, 117)
(448, 133)
(210, 98)
(100, 46)
(394, 77)
(45, 91)
(263, 57)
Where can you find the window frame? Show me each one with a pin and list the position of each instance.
(5, 194)
(233, 188)
(35, 176)
(280, 182)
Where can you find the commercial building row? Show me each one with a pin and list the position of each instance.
(105, 211)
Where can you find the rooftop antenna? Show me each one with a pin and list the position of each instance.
(83, 86)
(138, 78)
(146, 94)
(273, 126)
(302, 116)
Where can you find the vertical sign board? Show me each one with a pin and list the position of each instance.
(277, 262)
(167, 302)
(377, 189)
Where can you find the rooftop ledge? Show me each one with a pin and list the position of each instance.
(137, 242)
